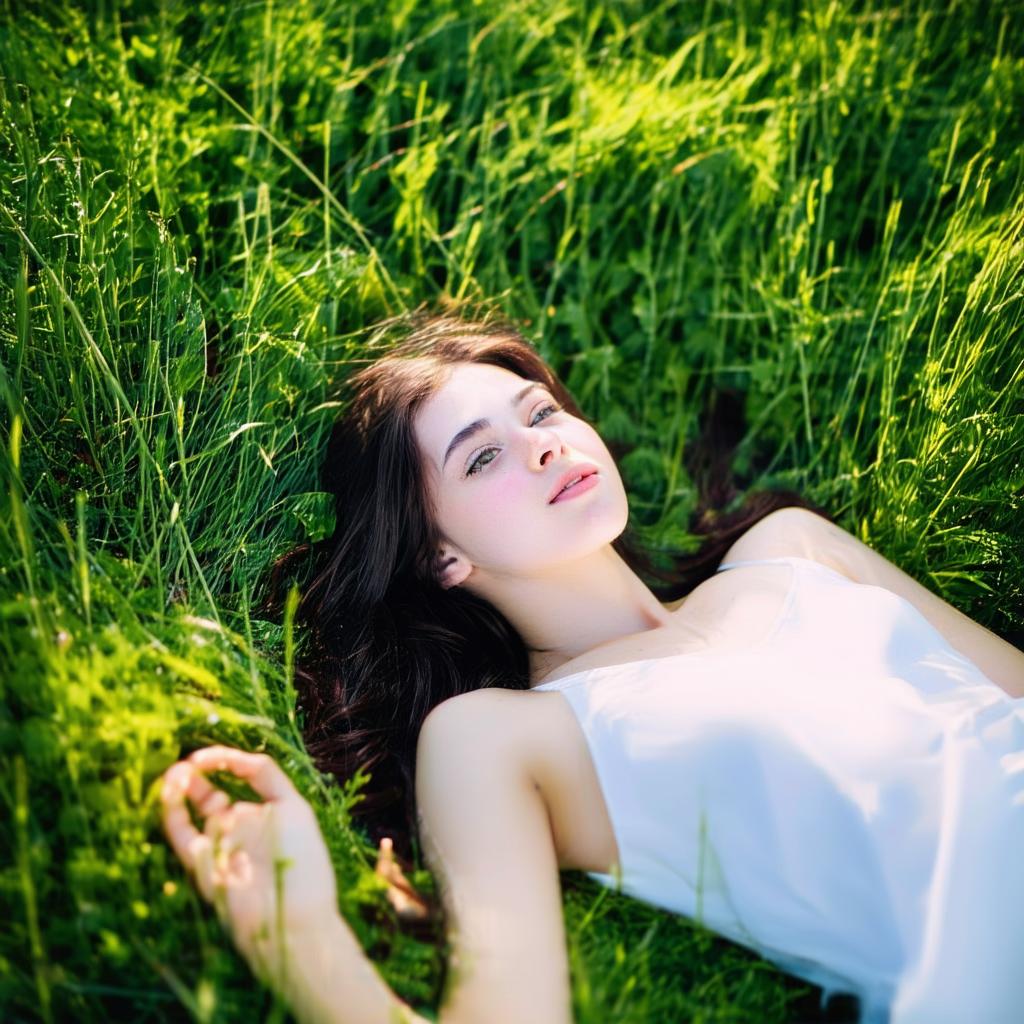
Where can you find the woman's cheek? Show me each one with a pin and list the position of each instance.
(502, 515)
(508, 496)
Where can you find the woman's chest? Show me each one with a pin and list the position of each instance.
(718, 618)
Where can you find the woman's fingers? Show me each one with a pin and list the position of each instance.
(194, 848)
(180, 831)
(205, 796)
(201, 856)
(184, 780)
(400, 894)
(261, 771)
(387, 866)
(217, 802)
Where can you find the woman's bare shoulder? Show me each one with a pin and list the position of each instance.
(512, 725)
(513, 721)
(793, 532)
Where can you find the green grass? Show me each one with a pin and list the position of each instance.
(201, 205)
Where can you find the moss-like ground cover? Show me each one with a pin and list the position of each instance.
(817, 207)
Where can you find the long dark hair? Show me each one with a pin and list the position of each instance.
(384, 642)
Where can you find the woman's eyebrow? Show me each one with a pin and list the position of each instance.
(477, 425)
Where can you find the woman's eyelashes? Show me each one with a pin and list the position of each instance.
(477, 462)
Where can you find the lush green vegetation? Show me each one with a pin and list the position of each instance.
(818, 207)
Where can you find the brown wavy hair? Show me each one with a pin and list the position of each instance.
(383, 642)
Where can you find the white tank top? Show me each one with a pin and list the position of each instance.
(845, 798)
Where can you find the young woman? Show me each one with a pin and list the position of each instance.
(801, 747)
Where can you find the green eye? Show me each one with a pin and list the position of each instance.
(550, 409)
(477, 461)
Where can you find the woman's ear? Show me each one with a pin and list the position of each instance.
(451, 568)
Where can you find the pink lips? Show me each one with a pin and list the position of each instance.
(588, 482)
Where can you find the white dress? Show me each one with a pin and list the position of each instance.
(845, 798)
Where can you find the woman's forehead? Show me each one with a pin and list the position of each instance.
(469, 388)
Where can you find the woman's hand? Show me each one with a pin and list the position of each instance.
(265, 867)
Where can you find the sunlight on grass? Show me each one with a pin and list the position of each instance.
(201, 205)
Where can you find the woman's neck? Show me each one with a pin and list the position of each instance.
(573, 608)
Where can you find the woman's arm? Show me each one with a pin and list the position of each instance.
(267, 871)
(487, 837)
(334, 982)
(798, 531)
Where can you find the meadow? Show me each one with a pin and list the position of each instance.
(815, 209)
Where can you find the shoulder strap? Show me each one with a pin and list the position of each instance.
(755, 561)
(796, 561)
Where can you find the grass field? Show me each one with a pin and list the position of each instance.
(817, 207)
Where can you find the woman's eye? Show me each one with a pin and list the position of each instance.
(477, 462)
(550, 409)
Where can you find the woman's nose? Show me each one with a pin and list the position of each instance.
(545, 445)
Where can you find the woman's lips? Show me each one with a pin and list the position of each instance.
(588, 483)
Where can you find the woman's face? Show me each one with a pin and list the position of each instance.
(495, 448)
